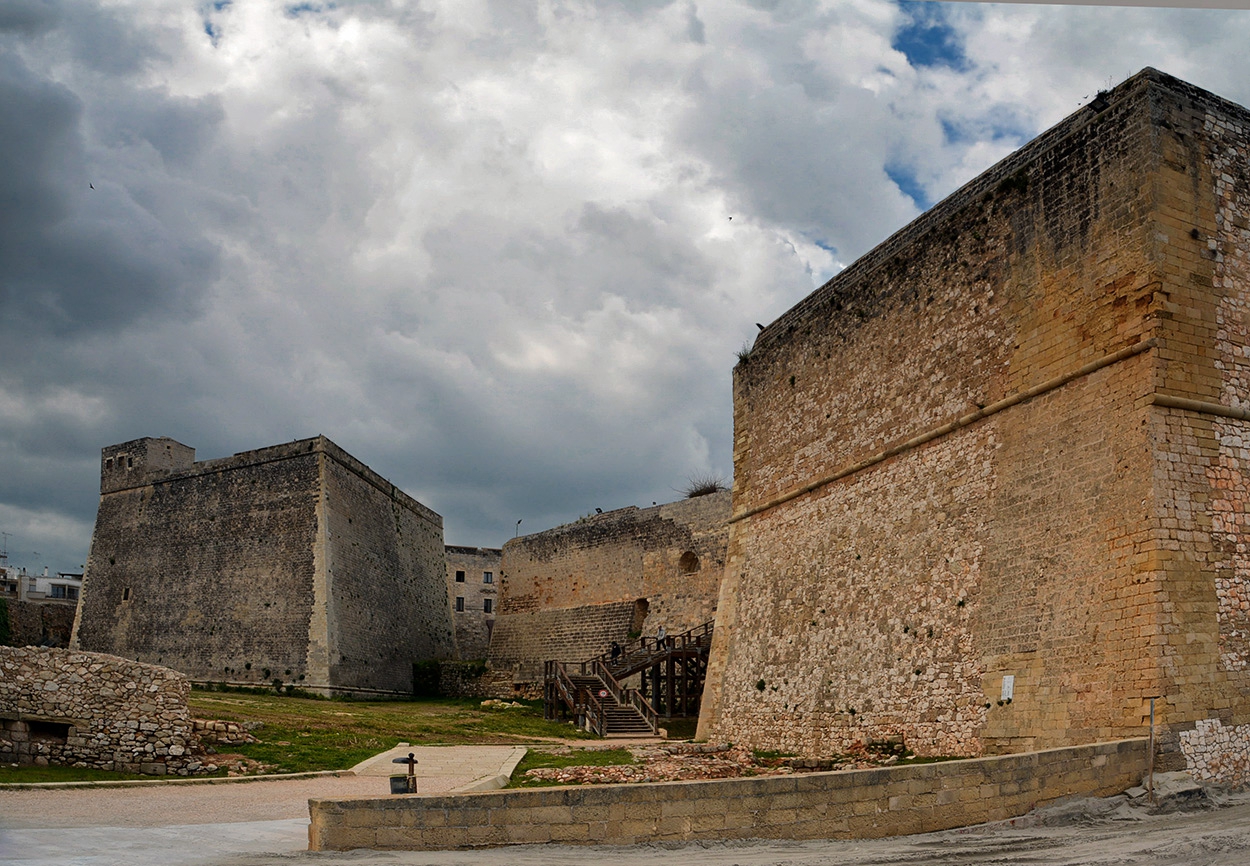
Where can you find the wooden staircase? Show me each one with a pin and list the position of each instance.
(672, 670)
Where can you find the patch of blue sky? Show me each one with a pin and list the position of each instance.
(927, 38)
(905, 179)
(297, 9)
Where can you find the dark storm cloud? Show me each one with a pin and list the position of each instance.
(484, 246)
(74, 258)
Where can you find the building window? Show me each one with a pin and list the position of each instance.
(488, 577)
(460, 604)
(58, 591)
(488, 605)
(459, 577)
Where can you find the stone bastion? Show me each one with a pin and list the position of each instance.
(86, 709)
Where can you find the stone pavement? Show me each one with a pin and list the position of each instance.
(193, 822)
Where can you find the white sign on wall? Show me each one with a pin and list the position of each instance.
(1009, 687)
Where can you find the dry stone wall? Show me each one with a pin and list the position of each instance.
(93, 710)
(988, 480)
(294, 563)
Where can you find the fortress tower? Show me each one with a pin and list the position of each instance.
(990, 482)
(295, 563)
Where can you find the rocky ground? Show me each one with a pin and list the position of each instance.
(688, 761)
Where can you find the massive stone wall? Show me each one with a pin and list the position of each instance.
(567, 593)
(472, 587)
(92, 710)
(987, 480)
(294, 563)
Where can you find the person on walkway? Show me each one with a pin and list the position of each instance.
(659, 637)
(616, 651)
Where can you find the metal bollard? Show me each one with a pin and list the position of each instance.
(405, 784)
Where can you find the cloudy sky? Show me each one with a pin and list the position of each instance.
(503, 252)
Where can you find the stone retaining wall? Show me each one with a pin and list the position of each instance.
(836, 805)
(93, 710)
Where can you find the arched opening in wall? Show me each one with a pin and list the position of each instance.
(641, 608)
(689, 562)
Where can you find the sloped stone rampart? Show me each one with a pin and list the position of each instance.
(838, 805)
(84, 709)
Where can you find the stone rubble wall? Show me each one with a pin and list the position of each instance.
(31, 623)
(1217, 753)
(85, 709)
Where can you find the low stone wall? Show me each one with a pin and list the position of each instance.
(92, 710)
(837, 805)
(1217, 753)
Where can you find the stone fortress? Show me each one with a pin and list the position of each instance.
(295, 564)
(990, 482)
(989, 492)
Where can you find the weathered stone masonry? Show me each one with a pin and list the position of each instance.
(567, 593)
(472, 586)
(294, 563)
(1003, 456)
(93, 710)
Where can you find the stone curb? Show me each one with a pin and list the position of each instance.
(139, 783)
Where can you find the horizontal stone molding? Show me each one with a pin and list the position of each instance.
(835, 805)
(952, 426)
(1203, 407)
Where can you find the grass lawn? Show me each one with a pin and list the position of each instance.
(303, 734)
(32, 774)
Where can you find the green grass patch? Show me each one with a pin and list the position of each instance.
(769, 755)
(30, 774)
(302, 734)
(575, 758)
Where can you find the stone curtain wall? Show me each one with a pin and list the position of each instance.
(1007, 442)
(294, 563)
(840, 805)
(473, 624)
(524, 641)
(91, 710)
(615, 558)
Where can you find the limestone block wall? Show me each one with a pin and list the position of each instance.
(294, 563)
(473, 579)
(630, 569)
(987, 480)
(858, 804)
(93, 710)
(524, 641)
